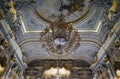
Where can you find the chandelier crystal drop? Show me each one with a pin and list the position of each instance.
(60, 38)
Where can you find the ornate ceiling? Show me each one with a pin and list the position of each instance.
(86, 17)
(93, 19)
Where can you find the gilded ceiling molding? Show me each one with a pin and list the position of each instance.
(36, 57)
(92, 42)
(90, 39)
(37, 41)
(37, 31)
(77, 57)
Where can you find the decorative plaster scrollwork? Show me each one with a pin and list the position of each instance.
(67, 64)
(117, 43)
(116, 55)
(107, 23)
(11, 10)
(3, 42)
(115, 16)
(102, 72)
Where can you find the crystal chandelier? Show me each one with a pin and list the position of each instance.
(60, 38)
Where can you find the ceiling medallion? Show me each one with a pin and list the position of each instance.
(60, 38)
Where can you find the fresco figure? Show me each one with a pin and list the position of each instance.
(75, 5)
